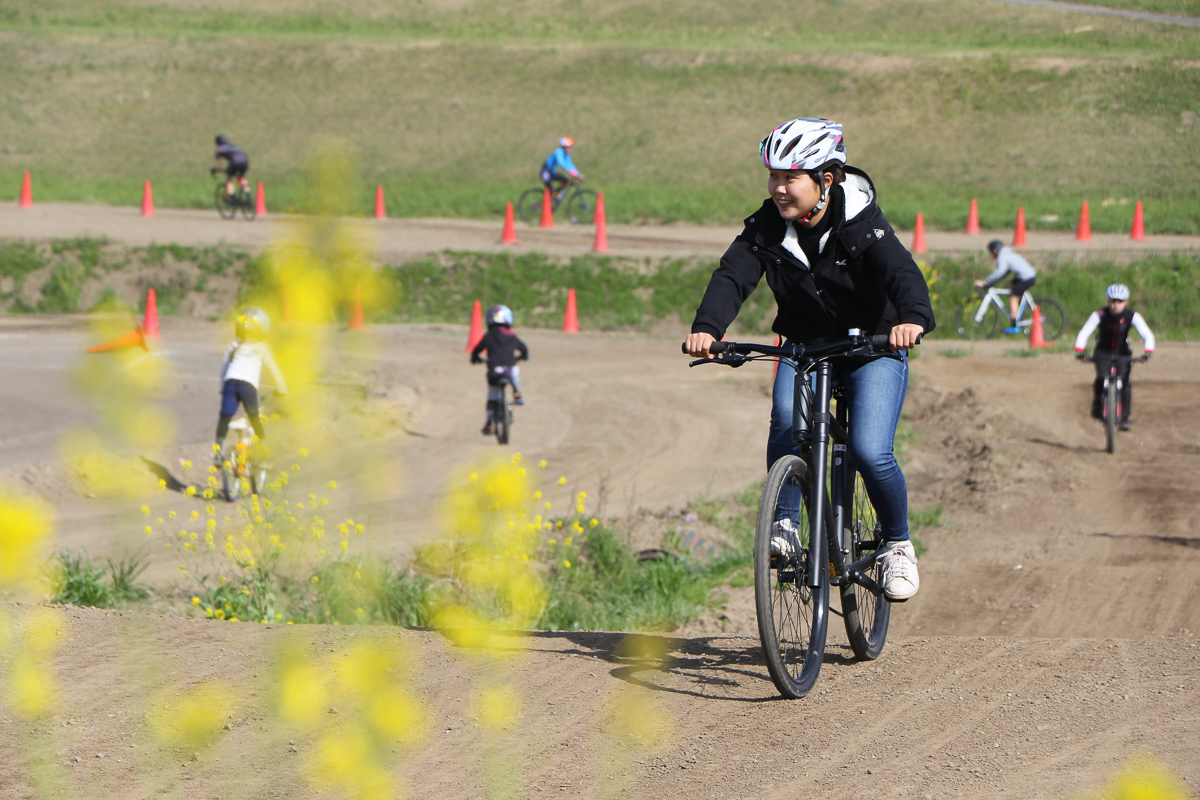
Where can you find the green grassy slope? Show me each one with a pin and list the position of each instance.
(452, 105)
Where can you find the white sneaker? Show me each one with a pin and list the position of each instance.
(783, 538)
(899, 562)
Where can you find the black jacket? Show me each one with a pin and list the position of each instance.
(864, 277)
(502, 345)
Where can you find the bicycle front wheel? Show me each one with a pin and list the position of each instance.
(1110, 415)
(581, 208)
(865, 614)
(529, 207)
(969, 327)
(792, 618)
(225, 206)
(1054, 319)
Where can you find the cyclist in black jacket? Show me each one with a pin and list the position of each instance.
(833, 263)
(504, 348)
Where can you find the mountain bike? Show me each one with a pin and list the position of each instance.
(836, 532)
(979, 317)
(581, 203)
(242, 199)
(1112, 408)
(500, 409)
(243, 466)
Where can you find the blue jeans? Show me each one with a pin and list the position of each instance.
(875, 392)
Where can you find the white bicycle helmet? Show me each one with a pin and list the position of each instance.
(805, 143)
(500, 315)
(1118, 291)
(252, 324)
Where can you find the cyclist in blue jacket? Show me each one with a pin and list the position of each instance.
(559, 168)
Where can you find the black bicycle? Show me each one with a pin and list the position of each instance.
(500, 409)
(581, 203)
(242, 200)
(814, 494)
(1112, 408)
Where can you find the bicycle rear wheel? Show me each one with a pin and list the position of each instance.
(865, 614)
(1110, 415)
(529, 207)
(1054, 319)
(581, 208)
(968, 328)
(225, 203)
(245, 199)
(792, 618)
(501, 416)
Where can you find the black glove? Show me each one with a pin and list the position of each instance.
(1145, 357)
(1080, 355)
(476, 359)
(212, 171)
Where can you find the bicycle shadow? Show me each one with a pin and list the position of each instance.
(708, 663)
(163, 474)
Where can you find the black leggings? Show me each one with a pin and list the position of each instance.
(233, 393)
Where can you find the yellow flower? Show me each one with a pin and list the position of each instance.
(191, 491)
(567, 541)
(315, 579)
(195, 601)
(149, 530)
(345, 545)
(146, 510)
(542, 464)
(170, 515)
(333, 484)
(187, 464)
(562, 481)
(593, 522)
(162, 484)
(566, 563)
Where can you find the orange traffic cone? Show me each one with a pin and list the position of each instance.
(147, 201)
(356, 314)
(973, 218)
(1036, 336)
(285, 302)
(1138, 234)
(1084, 232)
(135, 338)
(509, 234)
(380, 208)
(150, 320)
(476, 333)
(919, 234)
(26, 200)
(260, 201)
(571, 318)
(547, 210)
(601, 244)
(1019, 233)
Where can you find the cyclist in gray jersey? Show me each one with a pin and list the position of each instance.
(1024, 276)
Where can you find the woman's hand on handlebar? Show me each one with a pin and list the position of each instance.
(696, 345)
(905, 335)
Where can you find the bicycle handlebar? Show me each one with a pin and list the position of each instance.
(735, 354)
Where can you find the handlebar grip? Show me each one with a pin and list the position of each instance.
(716, 348)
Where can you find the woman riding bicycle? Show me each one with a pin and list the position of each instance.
(833, 263)
(1024, 276)
(1112, 325)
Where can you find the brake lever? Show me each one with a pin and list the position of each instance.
(734, 360)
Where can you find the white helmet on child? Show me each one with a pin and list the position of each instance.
(500, 315)
(1118, 291)
(805, 143)
(252, 324)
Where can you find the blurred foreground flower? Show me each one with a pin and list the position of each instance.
(193, 718)
(26, 531)
(1144, 778)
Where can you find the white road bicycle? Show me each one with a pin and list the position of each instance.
(980, 316)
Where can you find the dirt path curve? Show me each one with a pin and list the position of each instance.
(399, 239)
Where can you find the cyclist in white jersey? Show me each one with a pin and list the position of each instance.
(241, 370)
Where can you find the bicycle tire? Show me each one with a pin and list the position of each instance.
(529, 207)
(245, 199)
(792, 619)
(1110, 416)
(968, 328)
(500, 416)
(866, 615)
(226, 209)
(1054, 318)
(581, 207)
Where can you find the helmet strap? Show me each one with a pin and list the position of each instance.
(820, 203)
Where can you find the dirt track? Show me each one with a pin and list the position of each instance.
(1054, 635)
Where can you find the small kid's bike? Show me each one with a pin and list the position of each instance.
(243, 466)
(581, 203)
(1112, 409)
(242, 199)
(834, 534)
(979, 317)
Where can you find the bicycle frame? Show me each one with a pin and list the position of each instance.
(992, 297)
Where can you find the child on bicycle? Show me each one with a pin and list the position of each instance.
(559, 168)
(241, 369)
(833, 263)
(1112, 324)
(503, 348)
(1009, 262)
(236, 163)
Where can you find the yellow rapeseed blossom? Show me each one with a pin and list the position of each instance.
(499, 707)
(194, 717)
(31, 688)
(1144, 778)
(26, 530)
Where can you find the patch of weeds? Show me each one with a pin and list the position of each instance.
(62, 289)
(78, 581)
(906, 436)
(85, 249)
(925, 517)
